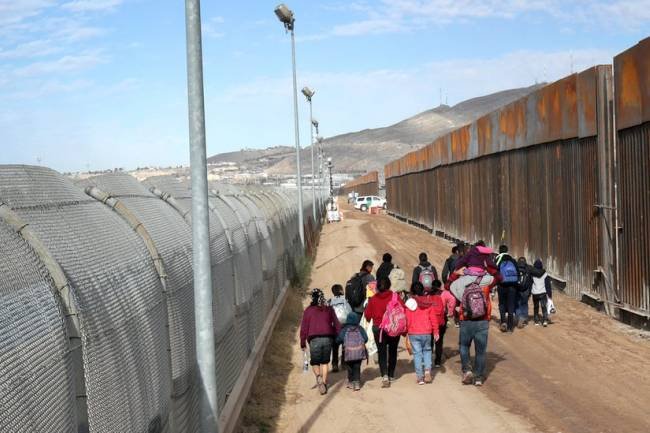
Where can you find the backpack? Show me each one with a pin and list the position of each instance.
(341, 309)
(426, 277)
(509, 272)
(474, 305)
(398, 280)
(525, 280)
(354, 348)
(355, 293)
(394, 321)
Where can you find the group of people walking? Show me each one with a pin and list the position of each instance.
(372, 313)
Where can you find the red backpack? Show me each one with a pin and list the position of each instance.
(394, 321)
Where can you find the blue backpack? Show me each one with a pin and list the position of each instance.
(509, 272)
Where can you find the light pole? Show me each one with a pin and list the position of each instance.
(201, 264)
(309, 93)
(321, 173)
(285, 15)
(329, 166)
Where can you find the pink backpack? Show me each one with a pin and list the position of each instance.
(394, 321)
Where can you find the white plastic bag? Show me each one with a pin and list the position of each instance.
(550, 307)
(370, 345)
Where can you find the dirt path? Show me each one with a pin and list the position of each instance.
(582, 374)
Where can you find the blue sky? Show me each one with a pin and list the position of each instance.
(101, 83)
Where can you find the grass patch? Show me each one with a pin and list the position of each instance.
(270, 389)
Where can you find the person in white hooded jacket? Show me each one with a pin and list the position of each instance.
(539, 290)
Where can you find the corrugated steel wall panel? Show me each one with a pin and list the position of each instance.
(368, 184)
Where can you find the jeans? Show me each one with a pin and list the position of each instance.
(476, 331)
(439, 343)
(540, 301)
(507, 298)
(354, 371)
(522, 304)
(387, 352)
(421, 345)
(335, 354)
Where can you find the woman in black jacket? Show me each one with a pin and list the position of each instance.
(385, 267)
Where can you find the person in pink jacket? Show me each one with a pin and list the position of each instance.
(422, 322)
(448, 310)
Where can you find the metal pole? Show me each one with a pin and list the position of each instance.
(301, 227)
(313, 187)
(205, 353)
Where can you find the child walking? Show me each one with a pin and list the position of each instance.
(342, 309)
(540, 289)
(422, 323)
(353, 338)
(444, 306)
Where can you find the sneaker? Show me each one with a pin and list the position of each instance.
(322, 388)
(350, 385)
(503, 327)
(545, 323)
(521, 324)
(385, 382)
(427, 376)
(478, 382)
(468, 378)
(437, 365)
(392, 378)
(357, 386)
(420, 381)
(537, 323)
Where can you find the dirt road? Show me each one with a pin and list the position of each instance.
(584, 373)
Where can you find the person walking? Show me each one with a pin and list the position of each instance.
(443, 305)
(422, 325)
(448, 268)
(353, 338)
(523, 292)
(386, 344)
(319, 326)
(341, 309)
(386, 266)
(357, 286)
(424, 273)
(540, 289)
(474, 315)
(507, 289)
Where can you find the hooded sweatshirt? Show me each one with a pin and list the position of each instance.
(541, 284)
(477, 257)
(377, 306)
(418, 269)
(318, 321)
(422, 314)
(352, 322)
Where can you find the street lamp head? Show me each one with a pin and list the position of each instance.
(308, 93)
(285, 15)
(314, 122)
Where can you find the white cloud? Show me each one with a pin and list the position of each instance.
(36, 48)
(67, 63)
(51, 87)
(393, 16)
(212, 27)
(16, 11)
(91, 5)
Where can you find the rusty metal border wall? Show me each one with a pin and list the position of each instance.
(632, 96)
(526, 175)
(368, 184)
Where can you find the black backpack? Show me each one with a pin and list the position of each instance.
(355, 293)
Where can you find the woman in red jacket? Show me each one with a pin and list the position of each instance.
(422, 318)
(386, 345)
(319, 327)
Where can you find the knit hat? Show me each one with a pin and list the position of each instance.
(538, 264)
(317, 297)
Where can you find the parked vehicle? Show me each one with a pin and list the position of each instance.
(365, 202)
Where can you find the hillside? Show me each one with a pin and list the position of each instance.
(371, 149)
